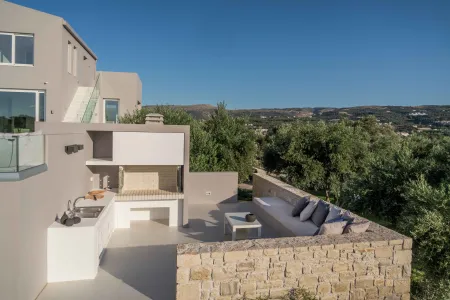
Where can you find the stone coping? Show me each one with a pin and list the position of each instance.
(284, 185)
(374, 234)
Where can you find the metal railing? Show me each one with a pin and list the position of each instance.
(92, 103)
(21, 152)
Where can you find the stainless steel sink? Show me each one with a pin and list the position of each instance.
(88, 211)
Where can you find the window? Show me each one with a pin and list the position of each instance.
(16, 49)
(24, 50)
(111, 111)
(41, 105)
(69, 57)
(72, 59)
(75, 61)
(6, 48)
(20, 109)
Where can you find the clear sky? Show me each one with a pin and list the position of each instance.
(260, 53)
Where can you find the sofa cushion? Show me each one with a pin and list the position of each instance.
(348, 216)
(358, 227)
(308, 211)
(280, 210)
(333, 213)
(320, 213)
(299, 206)
(332, 228)
(270, 201)
(306, 228)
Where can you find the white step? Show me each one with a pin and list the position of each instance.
(74, 113)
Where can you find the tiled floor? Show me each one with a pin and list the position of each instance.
(140, 262)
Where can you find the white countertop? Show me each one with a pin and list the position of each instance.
(88, 222)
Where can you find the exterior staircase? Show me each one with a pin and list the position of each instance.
(78, 105)
(83, 105)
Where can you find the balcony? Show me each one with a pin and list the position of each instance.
(21, 152)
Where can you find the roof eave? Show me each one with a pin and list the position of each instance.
(78, 39)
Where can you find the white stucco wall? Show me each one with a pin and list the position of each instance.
(146, 148)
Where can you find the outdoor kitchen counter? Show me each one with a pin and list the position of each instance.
(107, 202)
(74, 253)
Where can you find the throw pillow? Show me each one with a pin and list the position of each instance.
(333, 213)
(299, 206)
(308, 211)
(358, 227)
(348, 216)
(332, 228)
(320, 213)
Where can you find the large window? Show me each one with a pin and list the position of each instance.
(111, 111)
(16, 49)
(19, 109)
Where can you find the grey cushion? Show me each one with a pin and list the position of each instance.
(332, 228)
(280, 210)
(299, 206)
(358, 227)
(306, 228)
(348, 216)
(334, 213)
(308, 211)
(320, 213)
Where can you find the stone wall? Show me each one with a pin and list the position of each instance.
(371, 265)
(268, 186)
(352, 269)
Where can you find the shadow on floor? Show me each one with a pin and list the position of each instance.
(207, 226)
(151, 270)
(140, 262)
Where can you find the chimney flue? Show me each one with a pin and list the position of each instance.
(154, 119)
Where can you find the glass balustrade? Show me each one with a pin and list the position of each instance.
(21, 152)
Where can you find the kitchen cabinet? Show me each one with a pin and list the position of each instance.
(74, 253)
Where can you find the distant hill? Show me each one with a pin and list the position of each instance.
(402, 117)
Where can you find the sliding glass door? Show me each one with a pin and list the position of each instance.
(19, 109)
(111, 111)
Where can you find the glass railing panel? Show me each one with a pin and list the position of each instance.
(8, 153)
(21, 152)
(31, 151)
(92, 103)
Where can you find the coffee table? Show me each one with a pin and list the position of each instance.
(236, 220)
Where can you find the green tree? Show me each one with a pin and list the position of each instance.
(221, 143)
(410, 187)
(318, 155)
(235, 141)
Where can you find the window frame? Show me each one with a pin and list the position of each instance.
(74, 61)
(37, 117)
(13, 49)
(104, 109)
(69, 57)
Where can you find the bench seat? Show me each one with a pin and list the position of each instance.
(277, 213)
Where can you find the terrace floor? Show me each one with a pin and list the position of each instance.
(140, 262)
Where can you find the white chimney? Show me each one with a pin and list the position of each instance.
(154, 119)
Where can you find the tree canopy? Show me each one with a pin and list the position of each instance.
(219, 143)
(404, 181)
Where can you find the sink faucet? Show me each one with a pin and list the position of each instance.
(75, 202)
(69, 203)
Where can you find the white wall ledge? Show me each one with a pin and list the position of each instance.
(24, 174)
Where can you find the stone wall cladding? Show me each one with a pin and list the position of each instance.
(371, 265)
(354, 269)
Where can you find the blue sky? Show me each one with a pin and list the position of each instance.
(260, 53)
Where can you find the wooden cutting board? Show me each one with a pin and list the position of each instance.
(95, 195)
